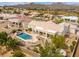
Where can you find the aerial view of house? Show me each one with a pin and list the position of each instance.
(39, 29)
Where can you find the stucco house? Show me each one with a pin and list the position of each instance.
(49, 27)
(70, 18)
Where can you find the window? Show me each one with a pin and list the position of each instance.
(73, 21)
(67, 19)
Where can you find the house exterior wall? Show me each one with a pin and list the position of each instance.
(70, 18)
(25, 25)
(73, 28)
(63, 30)
(72, 31)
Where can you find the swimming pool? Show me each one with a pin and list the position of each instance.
(24, 36)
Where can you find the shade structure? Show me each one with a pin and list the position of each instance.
(39, 29)
(51, 32)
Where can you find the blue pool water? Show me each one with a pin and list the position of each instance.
(24, 36)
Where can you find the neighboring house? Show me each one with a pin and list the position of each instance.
(24, 20)
(25, 11)
(50, 16)
(33, 14)
(70, 18)
(5, 15)
(14, 21)
(48, 27)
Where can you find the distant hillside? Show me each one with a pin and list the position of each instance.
(32, 6)
(51, 6)
(62, 6)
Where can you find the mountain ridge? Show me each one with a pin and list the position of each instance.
(52, 5)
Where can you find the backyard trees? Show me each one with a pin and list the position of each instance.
(3, 38)
(72, 45)
(8, 41)
(52, 49)
(12, 43)
(49, 51)
(45, 51)
(59, 41)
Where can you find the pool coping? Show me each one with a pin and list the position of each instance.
(31, 40)
(24, 38)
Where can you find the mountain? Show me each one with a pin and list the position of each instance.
(52, 5)
(32, 6)
(60, 5)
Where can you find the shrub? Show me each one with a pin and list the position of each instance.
(71, 48)
(73, 43)
(18, 53)
(13, 31)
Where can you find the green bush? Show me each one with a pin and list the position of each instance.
(13, 31)
(71, 48)
(78, 21)
(73, 43)
(58, 20)
(30, 29)
(18, 53)
(19, 30)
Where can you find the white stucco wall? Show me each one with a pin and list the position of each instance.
(72, 31)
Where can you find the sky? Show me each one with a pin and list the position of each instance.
(69, 3)
(15, 3)
(10, 3)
